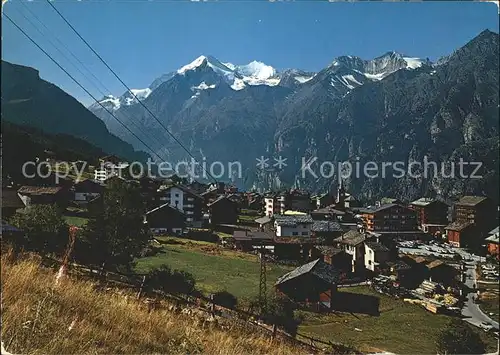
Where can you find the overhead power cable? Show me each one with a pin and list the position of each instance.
(125, 85)
(78, 83)
(81, 63)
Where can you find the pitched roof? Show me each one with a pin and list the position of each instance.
(183, 188)
(318, 268)
(434, 264)
(247, 235)
(326, 226)
(7, 228)
(352, 238)
(10, 199)
(493, 231)
(329, 210)
(471, 200)
(424, 201)
(292, 220)
(328, 250)
(165, 205)
(39, 190)
(494, 238)
(263, 220)
(373, 209)
(219, 199)
(458, 226)
(376, 246)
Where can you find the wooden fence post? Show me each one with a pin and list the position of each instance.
(142, 287)
(275, 328)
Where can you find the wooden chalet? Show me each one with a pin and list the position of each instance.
(460, 233)
(311, 285)
(247, 240)
(165, 219)
(41, 195)
(223, 211)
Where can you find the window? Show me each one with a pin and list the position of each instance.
(176, 195)
(369, 262)
(305, 233)
(295, 233)
(370, 251)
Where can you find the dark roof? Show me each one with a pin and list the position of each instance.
(183, 188)
(10, 199)
(250, 235)
(373, 209)
(399, 265)
(328, 210)
(165, 205)
(376, 246)
(292, 220)
(326, 226)
(351, 238)
(458, 225)
(318, 268)
(328, 250)
(471, 200)
(39, 190)
(219, 199)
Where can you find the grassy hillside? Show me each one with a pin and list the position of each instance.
(74, 318)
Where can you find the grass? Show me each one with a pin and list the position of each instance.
(401, 328)
(214, 268)
(76, 221)
(39, 317)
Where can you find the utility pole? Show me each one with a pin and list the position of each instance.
(263, 279)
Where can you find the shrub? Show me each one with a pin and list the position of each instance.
(225, 299)
(171, 281)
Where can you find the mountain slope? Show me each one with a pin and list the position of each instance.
(391, 108)
(29, 100)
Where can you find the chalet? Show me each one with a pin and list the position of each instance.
(197, 187)
(328, 213)
(37, 195)
(353, 244)
(223, 211)
(11, 202)
(432, 215)
(376, 255)
(293, 226)
(210, 195)
(400, 271)
(275, 204)
(87, 190)
(389, 218)
(492, 243)
(247, 240)
(313, 284)
(185, 200)
(265, 223)
(299, 201)
(336, 257)
(351, 202)
(323, 200)
(327, 230)
(165, 219)
(477, 210)
(460, 233)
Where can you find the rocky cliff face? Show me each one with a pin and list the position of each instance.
(389, 109)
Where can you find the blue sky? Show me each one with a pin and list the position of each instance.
(143, 39)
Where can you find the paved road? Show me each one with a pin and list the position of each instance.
(471, 310)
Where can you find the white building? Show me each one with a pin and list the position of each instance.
(375, 255)
(293, 226)
(275, 204)
(185, 200)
